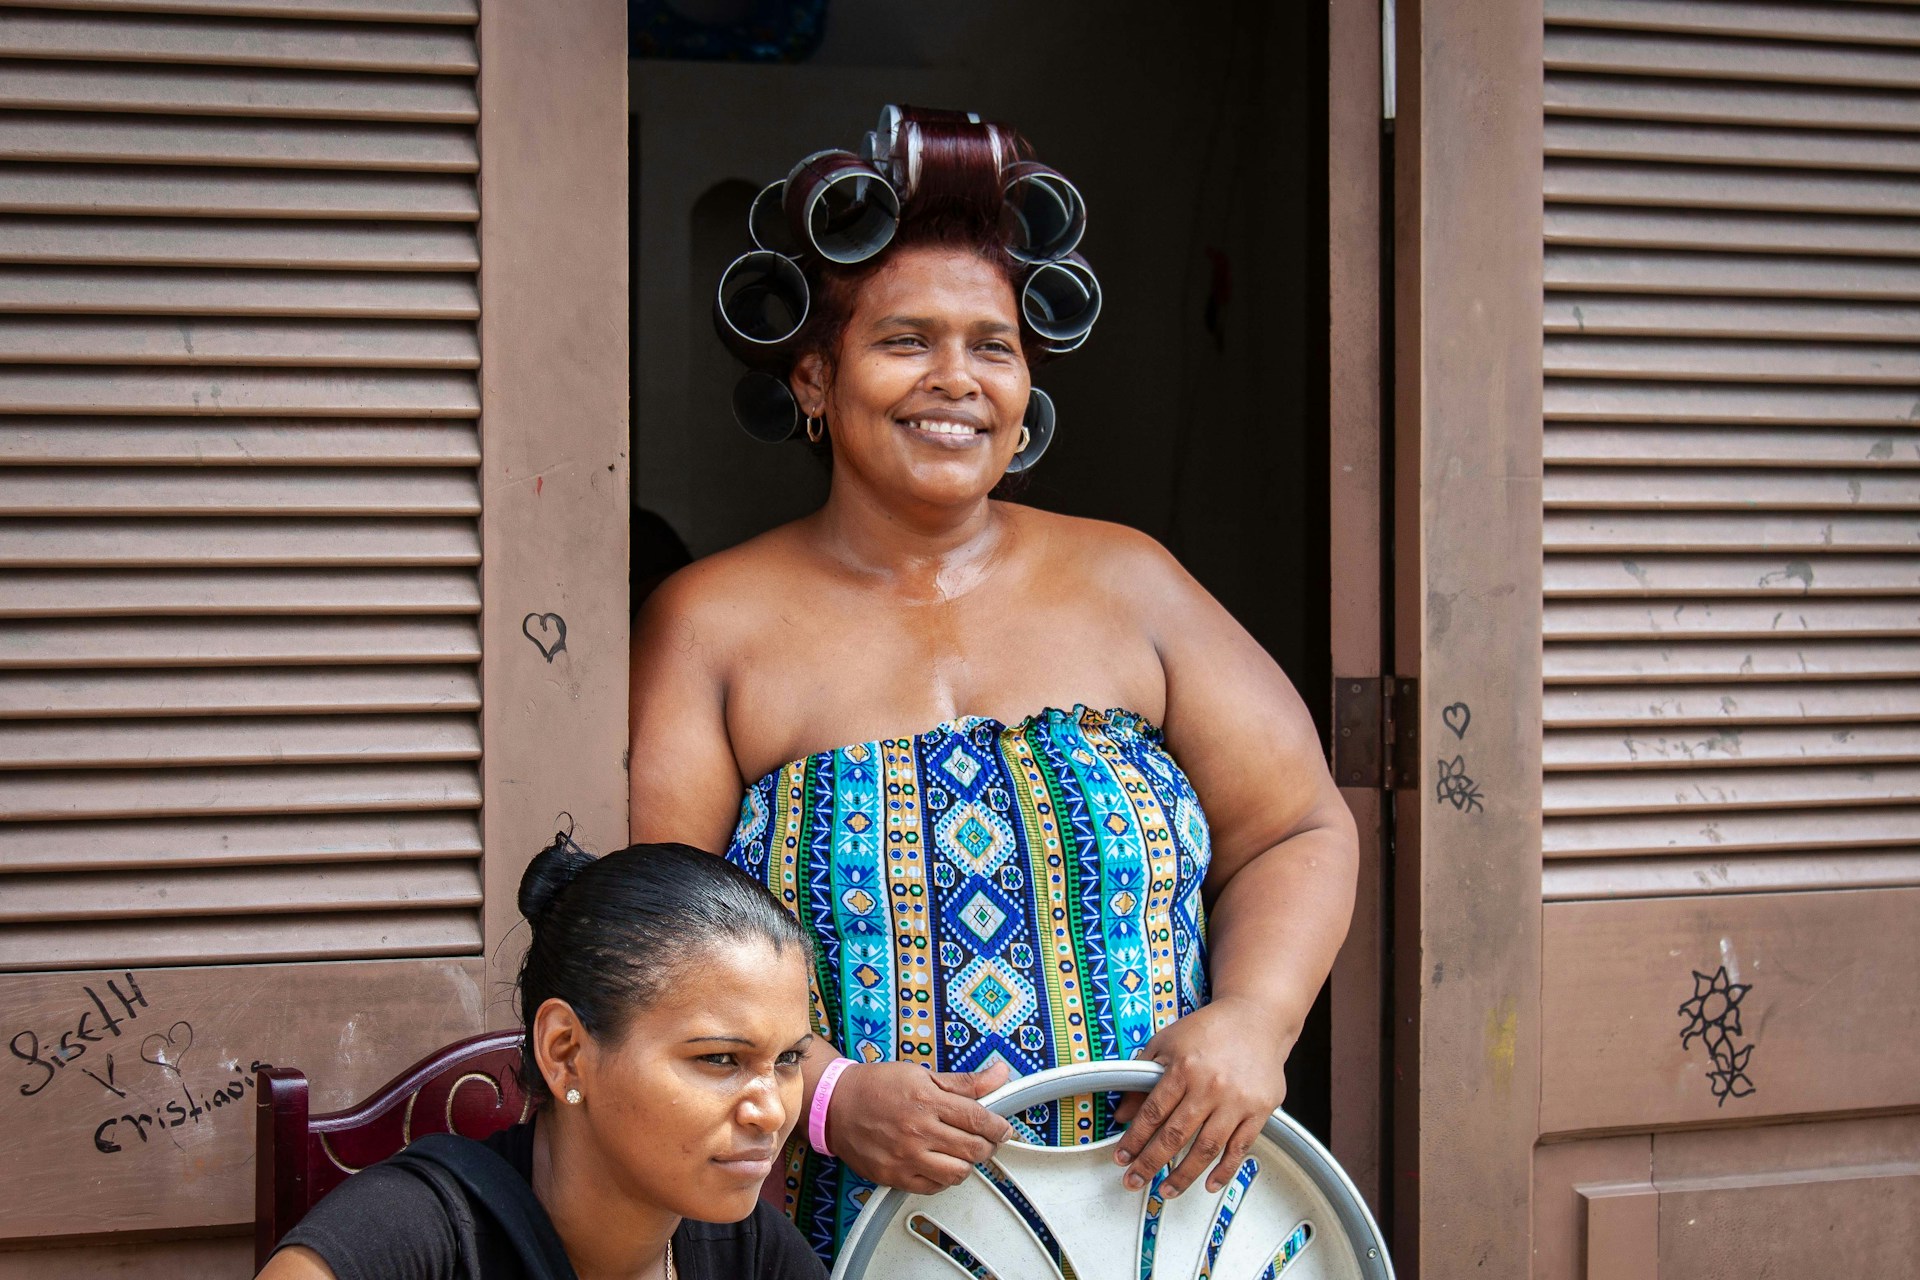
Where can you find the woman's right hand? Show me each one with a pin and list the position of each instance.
(904, 1126)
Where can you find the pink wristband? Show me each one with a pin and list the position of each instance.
(822, 1095)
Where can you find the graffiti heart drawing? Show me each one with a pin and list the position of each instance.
(164, 1049)
(552, 637)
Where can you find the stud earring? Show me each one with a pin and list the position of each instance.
(573, 1097)
(816, 427)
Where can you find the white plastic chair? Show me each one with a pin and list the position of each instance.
(1290, 1213)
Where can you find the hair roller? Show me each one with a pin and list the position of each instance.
(1043, 214)
(767, 222)
(764, 406)
(762, 302)
(952, 160)
(840, 207)
(1060, 302)
(1038, 421)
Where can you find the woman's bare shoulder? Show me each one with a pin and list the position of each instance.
(725, 594)
(1099, 550)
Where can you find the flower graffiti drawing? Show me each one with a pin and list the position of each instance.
(1713, 1018)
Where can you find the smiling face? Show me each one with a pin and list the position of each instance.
(687, 1108)
(925, 394)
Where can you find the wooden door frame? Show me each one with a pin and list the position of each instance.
(1467, 612)
(554, 438)
(1356, 488)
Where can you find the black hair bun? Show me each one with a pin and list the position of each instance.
(548, 875)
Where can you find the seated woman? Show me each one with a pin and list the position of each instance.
(890, 712)
(665, 1002)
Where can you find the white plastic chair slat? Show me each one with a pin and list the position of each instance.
(991, 1229)
(1182, 1239)
(1079, 1195)
(1280, 1198)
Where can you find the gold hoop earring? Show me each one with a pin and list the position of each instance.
(816, 427)
(1026, 438)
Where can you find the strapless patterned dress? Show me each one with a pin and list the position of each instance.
(1025, 892)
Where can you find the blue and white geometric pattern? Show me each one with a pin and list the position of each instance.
(986, 892)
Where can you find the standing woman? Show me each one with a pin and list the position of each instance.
(1036, 797)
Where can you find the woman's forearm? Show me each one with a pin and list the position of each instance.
(1276, 925)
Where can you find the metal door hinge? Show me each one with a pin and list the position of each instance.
(1376, 731)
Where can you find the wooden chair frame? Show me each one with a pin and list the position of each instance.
(471, 1087)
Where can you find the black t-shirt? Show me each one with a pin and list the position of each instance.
(388, 1223)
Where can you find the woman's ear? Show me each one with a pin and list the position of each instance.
(809, 384)
(559, 1040)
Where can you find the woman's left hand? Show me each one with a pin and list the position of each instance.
(1225, 1073)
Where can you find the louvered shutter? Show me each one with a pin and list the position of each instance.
(256, 621)
(1731, 792)
(1732, 620)
(239, 499)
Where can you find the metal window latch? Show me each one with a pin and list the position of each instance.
(1376, 731)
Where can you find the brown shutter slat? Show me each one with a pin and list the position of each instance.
(1656, 445)
(1603, 878)
(287, 442)
(188, 191)
(464, 12)
(1578, 750)
(1705, 531)
(173, 843)
(1728, 187)
(49, 491)
(1712, 102)
(252, 392)
(1710, 619)
(92, 139)
(239, 939)
(227, 642)
(1712, 144)
(1728, 232)
(1715, 704)
(235, 740)
(109, 896)
(1639, 315)
(1713, 836)
(413, 295)
(371, 246)
(151, 793)
(1721, 275)
(1688, 661)
(1780, 19)
(1575, 399)
(219, 691)
(1715, 789)
(268, 95)
(125, 37)
(224, 592)
(1651, 54)
(1731, 576)
(218, 341)
(239, 492)
(1699, 489)
(1799, 362)
(236, 543)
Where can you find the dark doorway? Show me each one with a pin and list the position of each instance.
(1198, 411)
